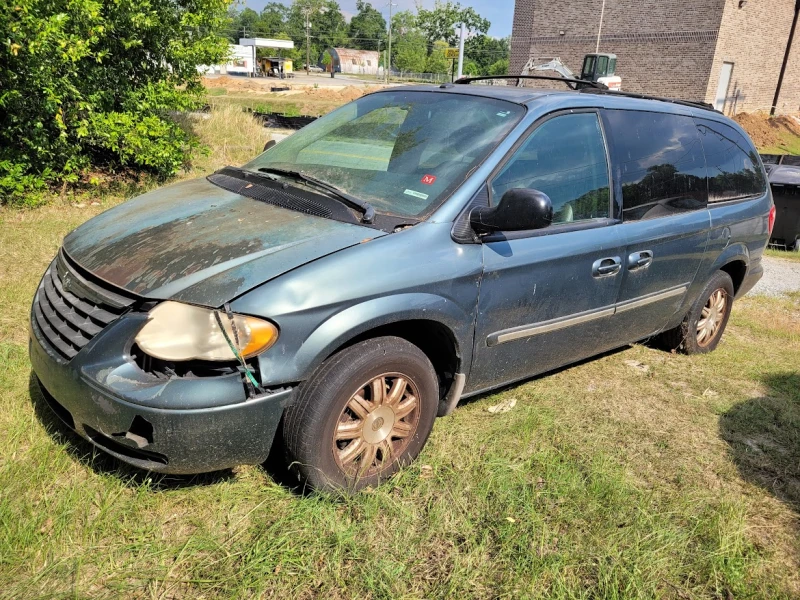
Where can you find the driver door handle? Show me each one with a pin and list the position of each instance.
(640, 260)
(605, 267)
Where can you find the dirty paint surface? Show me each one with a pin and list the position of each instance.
(198, 243)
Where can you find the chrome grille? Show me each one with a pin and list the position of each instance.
(70, 310)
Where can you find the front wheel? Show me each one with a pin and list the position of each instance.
(702, 327)
(366, 411)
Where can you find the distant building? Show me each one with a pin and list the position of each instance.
(356, 62)
(242, 56)
(725, 52)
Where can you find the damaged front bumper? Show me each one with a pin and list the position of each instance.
(175, 425)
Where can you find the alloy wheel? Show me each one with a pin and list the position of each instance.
(711, 317)
(376, 424)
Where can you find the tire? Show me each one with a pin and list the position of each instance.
(686, 337)
(375, 438)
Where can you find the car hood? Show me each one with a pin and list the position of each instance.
(195, 242)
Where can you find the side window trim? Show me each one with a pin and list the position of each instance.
(612, 219)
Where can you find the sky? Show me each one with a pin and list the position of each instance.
(499, 12)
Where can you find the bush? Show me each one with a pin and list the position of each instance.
(499, 68)
(93, 82)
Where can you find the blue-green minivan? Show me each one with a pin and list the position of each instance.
(414, 248)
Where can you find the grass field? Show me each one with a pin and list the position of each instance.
(638, 474)
(784, 254)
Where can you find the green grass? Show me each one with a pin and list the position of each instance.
(784, 254)
(604, 481)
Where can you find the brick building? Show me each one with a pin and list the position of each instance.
(726, 52)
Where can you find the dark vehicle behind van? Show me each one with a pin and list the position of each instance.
(785, 183)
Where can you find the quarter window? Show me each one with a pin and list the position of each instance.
(565, 158)
(734, 169)
(658, 163)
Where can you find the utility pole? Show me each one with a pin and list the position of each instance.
(600, 29)
(307, 14)
(461, 52)
(389, 64)
(785, 59)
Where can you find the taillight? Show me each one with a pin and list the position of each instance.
(772, 212)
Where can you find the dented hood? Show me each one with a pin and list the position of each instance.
(195, 242)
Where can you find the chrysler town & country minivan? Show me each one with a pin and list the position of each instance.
(416, 247)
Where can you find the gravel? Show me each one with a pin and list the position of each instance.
(780, 276)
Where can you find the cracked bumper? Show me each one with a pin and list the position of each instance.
(184, 425)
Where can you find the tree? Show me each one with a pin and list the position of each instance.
(498, 68)
(248, 23)
(367, 28)
(436, 62)
(440, 23)
(328, 27)
(403, 22)
(93, 82)
(272, 20)
(409, 53)
(470, 67)
(486, 51)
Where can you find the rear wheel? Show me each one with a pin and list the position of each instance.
(702, 327)
(367, 411)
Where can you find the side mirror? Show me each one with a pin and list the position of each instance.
(518, 210)
(269, 145)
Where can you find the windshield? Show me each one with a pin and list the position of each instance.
(402, 152)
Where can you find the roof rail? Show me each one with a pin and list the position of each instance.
(573, 84)
(690, 103)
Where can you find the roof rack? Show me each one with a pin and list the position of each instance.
(573, 84)
(690, 103)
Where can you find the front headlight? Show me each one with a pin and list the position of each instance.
(176, 331)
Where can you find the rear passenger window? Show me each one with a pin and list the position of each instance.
(565, 158)
(658, 163)
(734, 170)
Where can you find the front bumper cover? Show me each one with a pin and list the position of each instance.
(176, 425)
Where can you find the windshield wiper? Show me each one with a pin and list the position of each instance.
(368, 212)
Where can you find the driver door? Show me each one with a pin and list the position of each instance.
(547, 295)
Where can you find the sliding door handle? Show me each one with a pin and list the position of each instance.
(640, 260)
(606, 267)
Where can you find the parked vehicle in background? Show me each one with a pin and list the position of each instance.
(785, 183)
(413, 248)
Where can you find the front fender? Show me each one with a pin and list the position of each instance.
(365, 316)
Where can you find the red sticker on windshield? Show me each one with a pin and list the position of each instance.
(428, 179)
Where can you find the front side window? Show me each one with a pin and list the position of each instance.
(403, 152)
(734, 168)
(565, 158)
(659, 163)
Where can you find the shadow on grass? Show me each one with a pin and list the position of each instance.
(509, 386)
(105, 464)
(764, 438)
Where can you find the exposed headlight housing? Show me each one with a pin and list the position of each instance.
(177, 332)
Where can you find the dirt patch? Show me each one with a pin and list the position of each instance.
(766, 131)
(232, 83)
